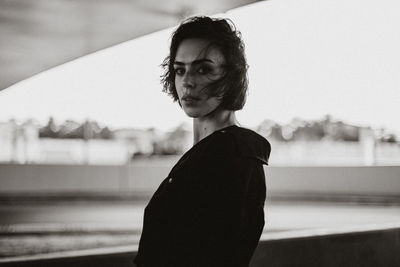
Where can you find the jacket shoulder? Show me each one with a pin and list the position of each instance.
(245, 143)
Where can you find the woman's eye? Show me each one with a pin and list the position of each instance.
(179, 71)
(203, 70)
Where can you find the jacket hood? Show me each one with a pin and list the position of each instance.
(250, 144)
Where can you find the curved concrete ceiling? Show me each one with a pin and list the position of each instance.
(37, 35)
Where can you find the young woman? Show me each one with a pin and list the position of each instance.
(209, 210)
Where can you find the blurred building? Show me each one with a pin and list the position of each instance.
(323, 142)
(328, 142)
(28, 143)
(19, 142)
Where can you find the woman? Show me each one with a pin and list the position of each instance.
(209, 210)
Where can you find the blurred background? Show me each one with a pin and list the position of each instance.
(86, 135)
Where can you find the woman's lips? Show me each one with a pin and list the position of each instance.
(190, 99)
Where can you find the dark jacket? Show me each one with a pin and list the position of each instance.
(209, 210)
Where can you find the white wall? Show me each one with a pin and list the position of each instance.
(378, 180)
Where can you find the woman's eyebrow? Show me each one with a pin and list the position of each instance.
(195, 62)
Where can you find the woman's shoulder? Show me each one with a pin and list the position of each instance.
(242, 142)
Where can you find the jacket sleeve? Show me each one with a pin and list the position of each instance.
(229, 216)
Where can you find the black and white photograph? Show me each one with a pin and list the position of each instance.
(245, 133)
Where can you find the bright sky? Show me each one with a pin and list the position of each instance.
(307, 58)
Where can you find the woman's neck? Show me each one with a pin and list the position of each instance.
(202, 127)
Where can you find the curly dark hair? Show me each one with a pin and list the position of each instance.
(220, 33)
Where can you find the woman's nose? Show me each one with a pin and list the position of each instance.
(188, 80)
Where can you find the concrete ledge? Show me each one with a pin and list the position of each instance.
(59, 228)
(364, 246)
(112, 256)
(371, 245)
(106, 181)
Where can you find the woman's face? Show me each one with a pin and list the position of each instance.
(196, 66)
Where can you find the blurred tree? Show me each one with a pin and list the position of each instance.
(106, 133)
(270, 129)
(174, 143)
(69, 129)
(74, 130)
(312, 131)
(50, 130)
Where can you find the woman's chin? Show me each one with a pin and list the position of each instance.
(199, 112)
(190, 111)
(192, 114)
